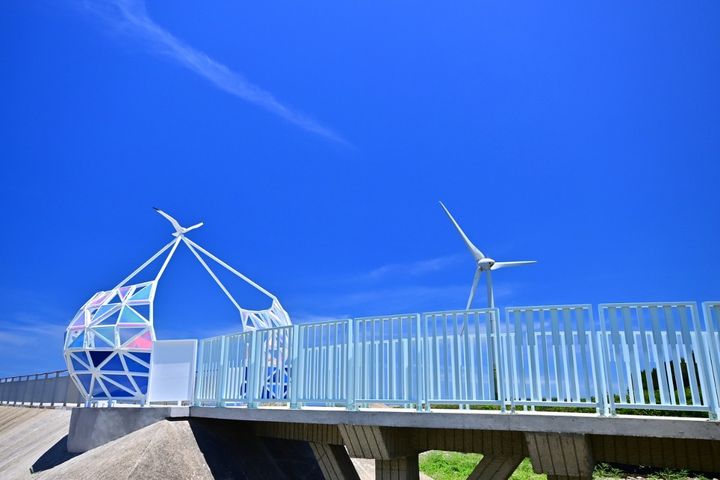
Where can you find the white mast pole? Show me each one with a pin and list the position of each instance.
(491, 297)
(167, 259)
(141, 267)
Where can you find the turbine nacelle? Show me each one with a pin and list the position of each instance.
(485, 264)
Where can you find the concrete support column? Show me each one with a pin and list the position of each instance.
(561, 456)
(495, 467)
(401, 468)
(334, 462)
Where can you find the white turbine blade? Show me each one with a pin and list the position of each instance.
(473, 249)
(174, 222)
(498, 265)
(197, 225)
(478, 272)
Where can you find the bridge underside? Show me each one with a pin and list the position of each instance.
(560, 445)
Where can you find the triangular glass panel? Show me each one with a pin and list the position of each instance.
(100, 297)
(79, 319)
(110, 319)
(117, 392)
(85, 380)
(142, 383)
(83, 356)
(143, 310)
(118, 300)
(104, 311)
(134, 366)
(98, 341)
(122, 380)
(123, 292)
(144, 342)
(129, 315)
(126, 334)
(79, 367)
(108, 334)
(143, 356)
(98, 392)
(71, 335)
(143, 294)
(98, 356)
(113, 365)
(78, 341)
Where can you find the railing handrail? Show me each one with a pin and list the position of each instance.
(11, 377)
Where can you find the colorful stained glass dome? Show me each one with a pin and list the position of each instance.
(109, 342)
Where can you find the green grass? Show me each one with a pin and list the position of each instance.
(457, 466)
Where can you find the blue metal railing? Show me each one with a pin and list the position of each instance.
(661, 356)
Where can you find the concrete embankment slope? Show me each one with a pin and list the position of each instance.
(33, 445)
(26, 437)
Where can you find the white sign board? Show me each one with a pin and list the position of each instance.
(172, 371)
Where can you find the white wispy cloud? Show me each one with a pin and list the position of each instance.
(420, 267)
(131, 18)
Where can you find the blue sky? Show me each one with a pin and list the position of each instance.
(314, 140)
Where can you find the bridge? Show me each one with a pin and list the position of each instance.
(562, 384)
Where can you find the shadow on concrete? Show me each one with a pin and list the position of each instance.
(232, 451)
(54, 456)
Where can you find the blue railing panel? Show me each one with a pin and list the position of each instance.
(386, 361)
(554, 356)
(462, 357)
(321, 365)
(654, 357)
(645, 355)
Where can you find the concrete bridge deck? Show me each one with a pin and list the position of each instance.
(561, 445)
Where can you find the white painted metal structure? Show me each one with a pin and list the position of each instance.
(108, 343)
(649, 356)
(484, 264)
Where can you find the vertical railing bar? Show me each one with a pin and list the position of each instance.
(517, 376)
(500, 369)
(545, 357)
(604, 360)
(568, 343)
(584, 349)
(713, 394)
(455, 360)
(557, 355)
(647, 364)
(689, 356)
(634, 365)
(350, 352)
(659, 354)
(534, 374)
(676, 367)
(618, 351)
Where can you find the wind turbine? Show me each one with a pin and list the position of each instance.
(179, 230)
(484, 264)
